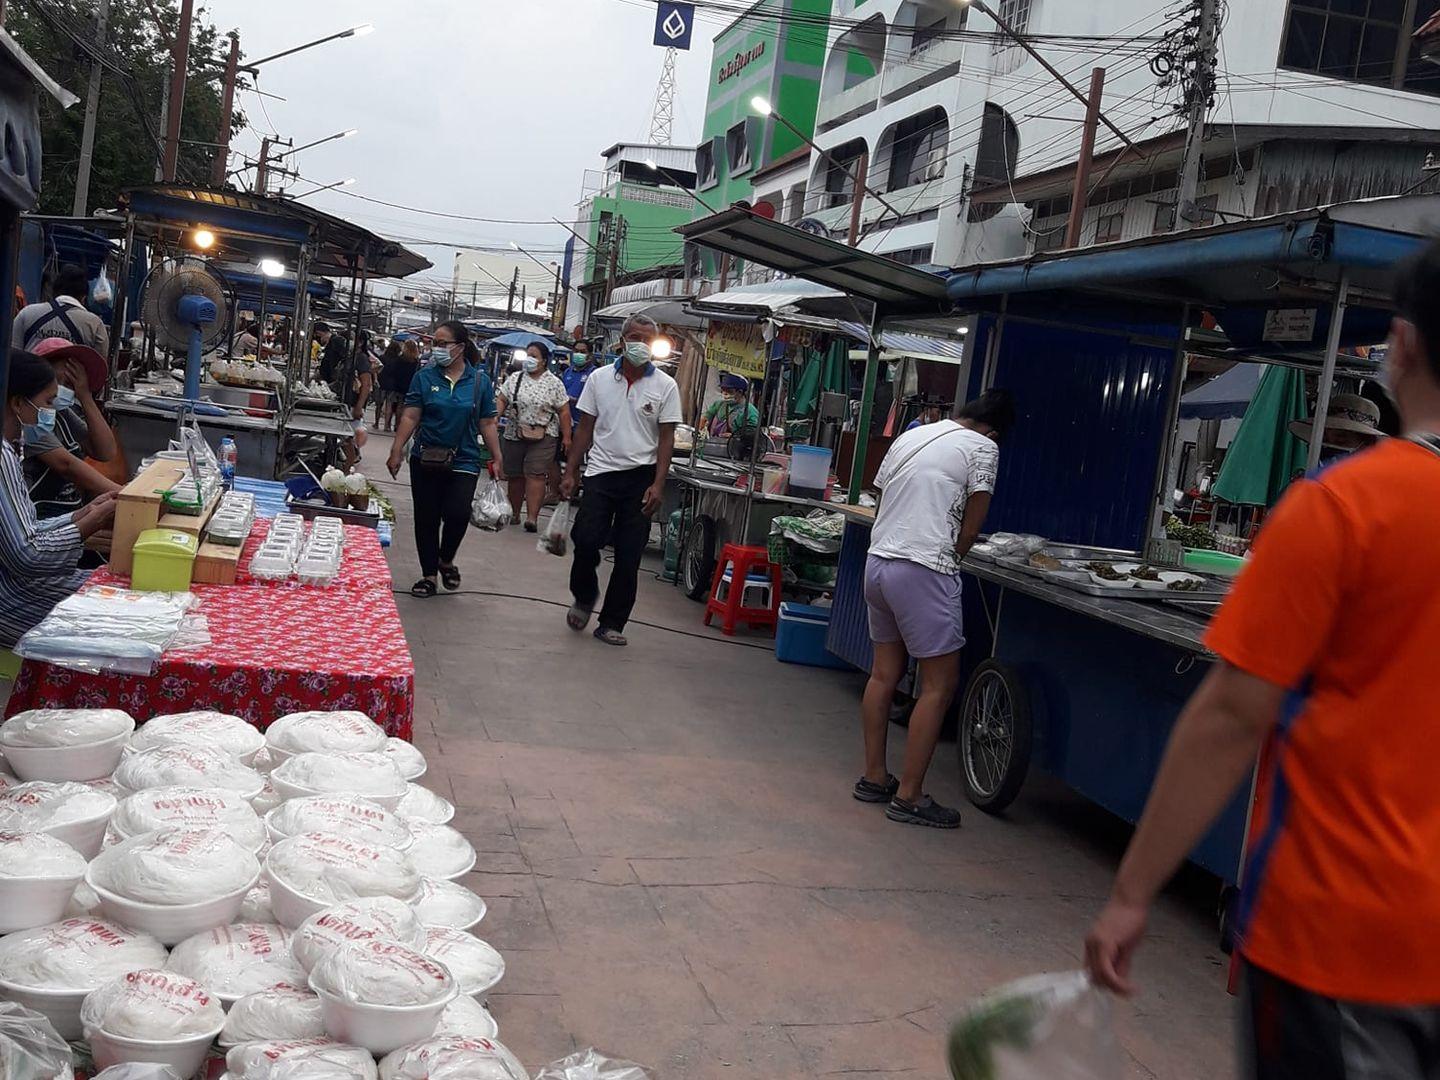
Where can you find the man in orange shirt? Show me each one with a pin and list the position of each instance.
(1328, 640)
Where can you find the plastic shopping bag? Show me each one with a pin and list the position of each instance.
(1046, 1027)
(490, 508)
(592, 1065)
(102, 293)
(556, 538)
(29, 1047)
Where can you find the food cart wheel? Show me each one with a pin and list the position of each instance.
(995, 737)
(697, 559)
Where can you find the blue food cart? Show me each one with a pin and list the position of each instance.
(1094, 345)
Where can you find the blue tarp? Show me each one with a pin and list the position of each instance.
(1224, 397)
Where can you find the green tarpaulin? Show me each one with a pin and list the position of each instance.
(1264, 456)
(826, 372)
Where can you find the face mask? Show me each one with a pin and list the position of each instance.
(440, 356)
(529, 364)
(44, 424)
(579, 359)
(637, 353)
(64, 398)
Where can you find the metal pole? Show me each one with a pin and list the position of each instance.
(1327, 372)
(755, 442)
(227, 107)
(857, 200)
(867, 403)
(510, 303)
(262, 169)
(179, 58)
(260, 320)
(1080, 192)
(1178, 364)
(1199, 92)
(92, 108)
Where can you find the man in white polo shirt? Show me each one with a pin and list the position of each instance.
(628, 412)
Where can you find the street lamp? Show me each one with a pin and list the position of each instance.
(272, 268)
(354, 31)
(650, 164)
(262, 168)
(325, 187)
(532, 258)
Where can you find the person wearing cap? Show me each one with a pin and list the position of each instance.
(1325, 647)
(64, 316)
(60, 479)
(733, 412)
(1351, 423)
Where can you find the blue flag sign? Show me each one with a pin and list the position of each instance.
(674, 23)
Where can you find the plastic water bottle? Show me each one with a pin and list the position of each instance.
(228, 456)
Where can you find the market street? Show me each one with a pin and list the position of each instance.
(677, 873)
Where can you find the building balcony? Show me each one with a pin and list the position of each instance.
(836, 109)
(932, 62)
(911, 202)
(673, 198)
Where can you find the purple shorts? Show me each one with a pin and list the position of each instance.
(915, 605)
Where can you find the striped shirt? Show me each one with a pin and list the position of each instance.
(37, 561)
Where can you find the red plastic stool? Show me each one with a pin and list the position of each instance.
(742, 560)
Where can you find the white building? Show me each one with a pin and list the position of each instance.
(484, 278)
(973, 144)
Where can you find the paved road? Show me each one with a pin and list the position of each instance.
(677, 873)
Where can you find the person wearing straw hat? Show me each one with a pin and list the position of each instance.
(1351, 423)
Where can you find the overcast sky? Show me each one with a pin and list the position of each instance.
(492, 108)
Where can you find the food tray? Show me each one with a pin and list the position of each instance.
(369, 517)
(1080, 581)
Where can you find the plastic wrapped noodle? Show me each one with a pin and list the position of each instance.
(175, 866)
(1046, 1027)
(184, 765)
(466, 1016)
(64, 727)
(279, 1014)
(369, 774)
(374, 972)
(300, 1059)
(153, 1005)
(592, 1065)
(422, 804)
(351, 816)
(335, 732)
(408, 759)
(445, 903)
(30, 1049)
(238, 959)
(190, 808)
(38, 855)
(440, 851)
(216, 730)
(76, 954)
(452, 1057)
(330, 869)
(381, 918)
(256, 905)
(476, 966)
(40, 805)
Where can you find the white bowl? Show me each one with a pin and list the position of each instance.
(185, 1056)
(292, 908)
(295, 791)
(27, 902)
(60, 1007)
(87, 761)
(86, 836)
(380, 1028)
(170, 924)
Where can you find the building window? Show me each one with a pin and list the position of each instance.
(1109, 227)
(918, 149)
(840, 173)
(1017, 14)
(737, 148)
(915, 256)
(1361, 41)
(927, 35)
(795, 207)
(705, 175)
(995, 158)
(1051, 238)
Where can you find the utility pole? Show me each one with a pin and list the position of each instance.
(857, 200)
(179, 57)
(1199, 96)
(1080, 193)
(617, 237)
(262, 168)
(227, 107)
(555, 306)
(92, 108)
(514, 283)
(474, 289)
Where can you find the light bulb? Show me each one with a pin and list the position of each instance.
(204, 239)
(760, 105)
(272, 268)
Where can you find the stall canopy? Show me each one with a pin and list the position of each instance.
(667, 311)
(1224, 397)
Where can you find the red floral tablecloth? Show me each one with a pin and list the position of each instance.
(276, 648)
(362, 565)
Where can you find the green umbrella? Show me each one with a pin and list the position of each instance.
(1264, 456)
(827, 371)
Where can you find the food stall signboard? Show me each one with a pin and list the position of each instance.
(1290, 324)
(737, 347)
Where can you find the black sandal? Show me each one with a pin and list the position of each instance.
(450, 575)
(423, 588)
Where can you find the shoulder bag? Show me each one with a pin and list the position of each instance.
(525, 432)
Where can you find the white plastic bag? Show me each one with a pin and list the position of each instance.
(1045, 1027)
(555, 540)
(491, 506)
(29, 1047)
(592, 1065)
(101, 291)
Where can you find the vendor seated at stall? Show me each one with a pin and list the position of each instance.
(58, 476)
(733, 412)
(248, 343)
(39, 560)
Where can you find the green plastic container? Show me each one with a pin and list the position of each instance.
(1213, 562)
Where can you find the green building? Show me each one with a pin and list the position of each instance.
(776, 50)
(627, 217)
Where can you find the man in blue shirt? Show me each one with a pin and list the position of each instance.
(449, 408)
(576, 374)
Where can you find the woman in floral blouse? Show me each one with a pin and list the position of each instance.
(536, 408)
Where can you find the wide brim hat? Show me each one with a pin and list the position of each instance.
(1346, 412)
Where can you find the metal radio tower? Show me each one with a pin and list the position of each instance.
(662, 117)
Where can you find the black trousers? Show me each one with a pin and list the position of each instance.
(442, 513)
(611, 513)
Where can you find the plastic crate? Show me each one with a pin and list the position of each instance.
(800, 637)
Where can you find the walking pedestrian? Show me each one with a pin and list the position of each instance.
(386, 383)
(538, 423)
(628, 414)
(935, 484)
(403, 375)
(1326, 648)
(449, 408)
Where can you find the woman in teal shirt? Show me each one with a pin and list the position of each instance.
(732, 412)
(449, 408)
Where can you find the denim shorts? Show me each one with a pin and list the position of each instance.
(915, 605)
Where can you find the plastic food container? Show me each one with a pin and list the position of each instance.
(422, 804)
(379, 789)
(203, 727)
(85, 833)
(809, 467)
(382, 1028)
(407, 758)
(183, 1053)
(185, 1056)
(38, 898)
(90, 762)
(292, 906)
(272, 562)
(164, 561)
(445, 903)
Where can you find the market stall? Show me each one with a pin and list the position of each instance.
(1093, 344)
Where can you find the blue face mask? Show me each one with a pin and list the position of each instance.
(579, 359)
(440, 356)
(529, 364)
(64, 398)
(637, 353)
(44, 424)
